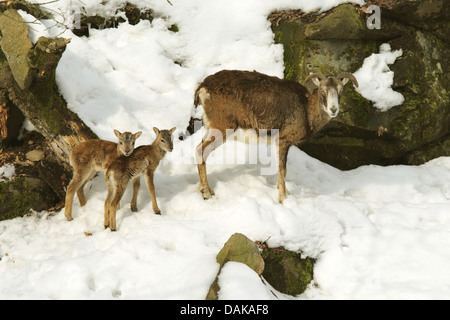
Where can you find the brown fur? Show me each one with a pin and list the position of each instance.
(234, 99)
(89, 158)
(143, 161)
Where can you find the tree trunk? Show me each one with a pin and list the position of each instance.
(27, 79)
(11, 120)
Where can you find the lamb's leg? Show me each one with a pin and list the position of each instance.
(108, 205)
(80, 191)
(151, 189)
(119, 190)
(136, 186)
(74, 185)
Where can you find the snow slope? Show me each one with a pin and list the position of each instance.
(376, 232)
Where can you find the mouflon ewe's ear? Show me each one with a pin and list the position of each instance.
(345, 76)
(315, 77)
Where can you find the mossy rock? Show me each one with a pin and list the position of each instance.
(287, 271)
(339, 41)
(18, 196)
(241, 249)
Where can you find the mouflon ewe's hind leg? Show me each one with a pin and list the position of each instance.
(212, 140)
(282, 160)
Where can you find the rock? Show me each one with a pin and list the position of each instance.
(16, 45)
(239, 249)
(287, 271)
(35, 155)
(21, 194)
(339, 41)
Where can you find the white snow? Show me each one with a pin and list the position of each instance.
(376, 232)
(376, 79)
(238, 282)
(7, 171)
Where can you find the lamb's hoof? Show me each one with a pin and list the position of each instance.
(158, 213)
(281, 198)
(207, 193)
(69, 218)
(134, 208)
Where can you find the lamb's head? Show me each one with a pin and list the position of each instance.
(126, 141)
(164, 138)
(330, 90)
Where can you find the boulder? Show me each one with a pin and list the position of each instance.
(338, 41)
(35, 155)
(241, 249)
(19, 195)
(287, 271)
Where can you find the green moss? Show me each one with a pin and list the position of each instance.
(44, 58)
(21, 194)
(287, 271)
(174, 28)
(15, 198)
(355, 110)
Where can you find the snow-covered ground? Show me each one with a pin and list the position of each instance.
(376, 232)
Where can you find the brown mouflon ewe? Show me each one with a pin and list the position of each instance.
(92, 156)
(245, 100)
(143, 161)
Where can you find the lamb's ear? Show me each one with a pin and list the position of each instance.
(117, 133)
(137, 135)
(173, 129)
(156, 130)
